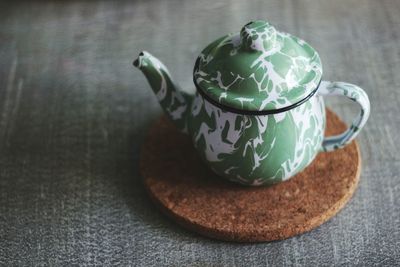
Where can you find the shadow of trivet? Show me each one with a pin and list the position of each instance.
(194, 197)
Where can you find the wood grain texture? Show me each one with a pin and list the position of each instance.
(73, 113)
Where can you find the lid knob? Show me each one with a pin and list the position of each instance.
(258, 35)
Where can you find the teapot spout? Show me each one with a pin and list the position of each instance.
(175, 102)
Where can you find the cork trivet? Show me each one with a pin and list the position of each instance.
(186, 190)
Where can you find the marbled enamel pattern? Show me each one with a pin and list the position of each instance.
(355, 94)
(173, 100)
(256, 149)
(258, 69)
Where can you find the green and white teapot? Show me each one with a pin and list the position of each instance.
(258, 114)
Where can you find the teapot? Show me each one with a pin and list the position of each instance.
(257, 116)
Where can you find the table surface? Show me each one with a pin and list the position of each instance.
(74, 113)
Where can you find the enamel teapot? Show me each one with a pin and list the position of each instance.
(257, 116)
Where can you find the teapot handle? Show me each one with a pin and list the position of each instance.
(357, 95)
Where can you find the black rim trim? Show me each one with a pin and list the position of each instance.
(249, 112)
(254, 112)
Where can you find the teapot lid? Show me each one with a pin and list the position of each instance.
(258, 70)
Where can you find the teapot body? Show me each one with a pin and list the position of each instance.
(258, 70)
(257, 149)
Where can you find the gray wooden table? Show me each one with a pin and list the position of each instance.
(74, 112)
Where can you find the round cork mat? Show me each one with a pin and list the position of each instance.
(186, 190)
